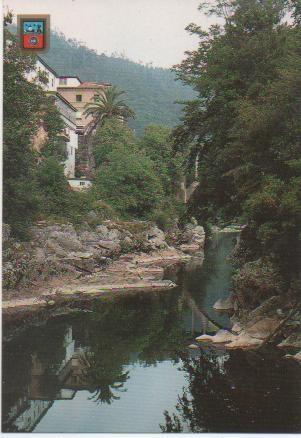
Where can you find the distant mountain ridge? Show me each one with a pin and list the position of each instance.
(151, 92)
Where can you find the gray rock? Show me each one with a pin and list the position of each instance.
(88, 238)
(109, 245)
(244, 341)
(221, 337)
(193, 347)
(193, 234)
(157, 238)
(189, 248)
(69, 242)
(114, 235)
(237, 328)
(293, 341)
(223, 304)
(296, 357)
(263, 328)
(102, 231)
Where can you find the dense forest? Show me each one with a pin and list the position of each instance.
(244, 127)
(151, 92)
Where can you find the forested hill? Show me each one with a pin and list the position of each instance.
(151, 92)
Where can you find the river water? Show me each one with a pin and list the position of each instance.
(124, 365)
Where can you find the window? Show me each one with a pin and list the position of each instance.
(78, 98)
(96, 97)
(82, 183)
(63, 81)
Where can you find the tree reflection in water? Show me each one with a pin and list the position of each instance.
(144, 329)
(238, 392)
(104, 379)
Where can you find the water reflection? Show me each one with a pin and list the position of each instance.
(120, 365)
(238, 392)
(90, 352)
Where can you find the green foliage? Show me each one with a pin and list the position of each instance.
(53, 187)
(245, 125)
(137, 178)
(157, 145)
(110, 135)
(53, 123)
(22, 105)
(107, 105)
(129, 183)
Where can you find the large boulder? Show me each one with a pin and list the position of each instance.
(193, 238)
(244, 341)
(263, 328)
(156, 238)
(102, 231)
(69, 242)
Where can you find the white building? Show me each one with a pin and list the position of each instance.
(68, 115)
(42, 69)
(50, 81)
(69, 81)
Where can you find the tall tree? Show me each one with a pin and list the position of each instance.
(107, 105)
(245, 125)
(25, 105)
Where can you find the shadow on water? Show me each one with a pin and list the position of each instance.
(238, 392)
(120, 364)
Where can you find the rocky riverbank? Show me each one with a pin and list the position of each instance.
(60, 264)
(276, 321)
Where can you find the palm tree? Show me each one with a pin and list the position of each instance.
(106, 105)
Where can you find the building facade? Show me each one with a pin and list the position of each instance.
(47, 73)
(71, 97)
(79, 96)
(68, 115)
(50, 81)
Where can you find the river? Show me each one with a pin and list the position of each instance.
(124, 365)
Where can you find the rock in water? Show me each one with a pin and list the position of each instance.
(221, 337)
(193, 347)
(293, 341)
(244, 341)
(223, 304)
(237, 328)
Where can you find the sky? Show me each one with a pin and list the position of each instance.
(142, 30)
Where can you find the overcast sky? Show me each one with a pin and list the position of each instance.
(143, 30)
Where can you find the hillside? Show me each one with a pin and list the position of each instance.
(151, 92)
